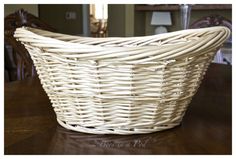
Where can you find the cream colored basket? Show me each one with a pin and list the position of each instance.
(121, 85)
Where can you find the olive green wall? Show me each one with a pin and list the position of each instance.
(54, 15)
(139, 23)
(120, 20)
(129, 20)
(11, 8)
(116, 20)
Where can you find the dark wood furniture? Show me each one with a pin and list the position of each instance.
(215, 20)
(173, 7)
(22, 65)
(31, 127)
(210, 21)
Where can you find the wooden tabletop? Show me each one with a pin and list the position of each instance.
(31, 127)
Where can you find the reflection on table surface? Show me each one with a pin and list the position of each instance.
(69, 142)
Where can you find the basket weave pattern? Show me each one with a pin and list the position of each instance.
(121, 85)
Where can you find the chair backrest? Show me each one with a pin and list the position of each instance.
(23, 62)
(212, 20)
(215, 20)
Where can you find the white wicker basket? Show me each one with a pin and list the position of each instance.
(121, 85)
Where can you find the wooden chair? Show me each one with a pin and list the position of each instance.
(21, 65)
(212, 20)
(215, 20)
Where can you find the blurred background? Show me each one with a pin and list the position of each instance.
(107, 20)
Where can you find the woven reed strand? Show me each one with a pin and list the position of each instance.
(121, 85)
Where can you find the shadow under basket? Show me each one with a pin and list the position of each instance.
(115, 85)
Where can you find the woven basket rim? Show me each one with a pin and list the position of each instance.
(174, 45)
(33, 31)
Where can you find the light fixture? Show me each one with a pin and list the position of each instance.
(161, 19)
(101, 11)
